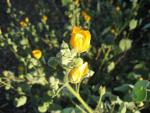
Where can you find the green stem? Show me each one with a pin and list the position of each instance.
(79, 98)
(83, 111)
(112, 109)
(78, 88)
(60, 89)
(105, 58)
(99, 102)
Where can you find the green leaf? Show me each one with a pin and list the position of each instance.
(122, 108)
(90, 74)
(65, 2)
(20, 101)
(53, 62)
(140, 65)
(64, 45)
(133, 24)
(106, 30)
(68, 110)
(78, 61)
(8, 86)
(137, 112)
(134, 75)
(139, 91)
(44, 107)
(125, 44)
(123, 88)
(135, 3)
(140, 94)
(111, 66)
(147, 26)
(24, 41)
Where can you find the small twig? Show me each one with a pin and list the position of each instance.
(98, 53)
(119, 60)
(105, 58)
(113, 108)
(60, 89)
(2, 106)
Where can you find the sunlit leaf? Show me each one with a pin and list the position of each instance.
(122, 108)
(20, 101)
(43, 107)
(65, 2)
(111, 66)
(125, 44)
(133, 24)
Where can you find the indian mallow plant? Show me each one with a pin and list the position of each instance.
(76, 69)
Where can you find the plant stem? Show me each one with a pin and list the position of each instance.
(105, 58)
(78, 88)
(99, 102)
(73, 92)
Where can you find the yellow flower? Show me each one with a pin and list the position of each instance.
(86, 17)
(44, 18)
(80, 39)
(36, 54)
(26, 19)
(23, 24)
(78, 73)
